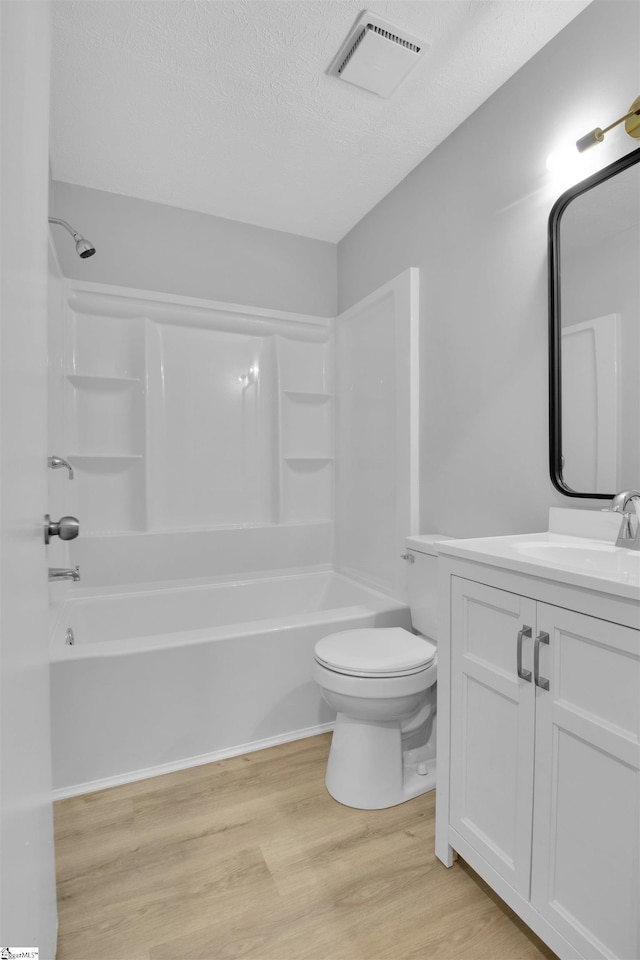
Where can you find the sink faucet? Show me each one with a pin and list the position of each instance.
(629, 534)
(64, 573)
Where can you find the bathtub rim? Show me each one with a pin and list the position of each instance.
(81, 592)
(60, 652)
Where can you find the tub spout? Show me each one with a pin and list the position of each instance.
(64, 573)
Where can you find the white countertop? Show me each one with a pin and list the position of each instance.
(588, 562)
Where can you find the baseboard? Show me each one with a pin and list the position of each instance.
(61, 793)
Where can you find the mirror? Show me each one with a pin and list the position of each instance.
(594, 333)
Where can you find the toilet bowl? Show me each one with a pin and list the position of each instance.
(381, 683)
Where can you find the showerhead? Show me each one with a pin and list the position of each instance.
(84, 248)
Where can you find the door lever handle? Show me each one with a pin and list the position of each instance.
(523, 674)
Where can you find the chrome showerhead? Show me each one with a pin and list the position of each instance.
(84, 248)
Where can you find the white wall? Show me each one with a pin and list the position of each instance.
(153, 246)
(473, 218)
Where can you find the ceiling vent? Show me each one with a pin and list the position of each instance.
(377, 55)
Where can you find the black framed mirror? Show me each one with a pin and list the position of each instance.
(594, 333)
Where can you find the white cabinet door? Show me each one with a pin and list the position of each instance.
(492, 727)
(586, 839)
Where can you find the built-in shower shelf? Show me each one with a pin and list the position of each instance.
(307, 484)
(105, 426)
(110, 491)
(100, 384)
(307, 429)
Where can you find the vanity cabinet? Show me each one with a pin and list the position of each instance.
(492, 728)
(542, 725)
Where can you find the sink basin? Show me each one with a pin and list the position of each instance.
(578, 549)
(589, 556)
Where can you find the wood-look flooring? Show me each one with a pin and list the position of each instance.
(251, 858)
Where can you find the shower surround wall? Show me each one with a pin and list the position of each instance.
(376, 349)
(207, 427)
(202, 439)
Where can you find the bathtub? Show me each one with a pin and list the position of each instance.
(171, 675)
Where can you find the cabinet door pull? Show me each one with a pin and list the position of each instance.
(523, 674)
(541, 682)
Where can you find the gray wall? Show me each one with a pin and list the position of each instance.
(153, 246)
(473, 218)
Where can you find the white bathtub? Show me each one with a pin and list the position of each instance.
(170, 676)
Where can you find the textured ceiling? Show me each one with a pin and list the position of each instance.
(224, 106)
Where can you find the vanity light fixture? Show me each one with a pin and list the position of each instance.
(631, 124)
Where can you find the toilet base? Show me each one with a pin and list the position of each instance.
(367, 768)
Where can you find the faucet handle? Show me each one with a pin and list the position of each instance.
(56, 462)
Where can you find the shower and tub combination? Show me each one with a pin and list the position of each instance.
(220, 479)
(172, 676)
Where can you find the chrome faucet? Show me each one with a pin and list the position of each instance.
(629, 533)
(64, 573)
(56, 462)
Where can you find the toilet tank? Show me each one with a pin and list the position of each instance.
(423, 582)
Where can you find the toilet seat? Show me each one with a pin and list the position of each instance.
(375, 652)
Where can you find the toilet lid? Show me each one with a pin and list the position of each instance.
(375, 652)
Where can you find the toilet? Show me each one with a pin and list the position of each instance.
(381, 683)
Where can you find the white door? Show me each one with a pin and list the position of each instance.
(492, 726)
(27, 876)
(586, 840)
(590, 429)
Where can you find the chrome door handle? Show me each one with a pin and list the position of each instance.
(67, 528)
(523, 674)
(541, 682)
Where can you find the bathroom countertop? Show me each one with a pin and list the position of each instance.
(589, 563)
